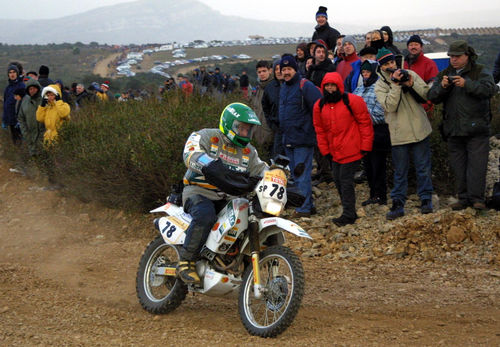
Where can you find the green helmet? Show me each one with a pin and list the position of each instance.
(237, 122)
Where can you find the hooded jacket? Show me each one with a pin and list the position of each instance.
(53, 114)
(466, 110)
(339, 132)
(390, 43)
(367, 92)
(31, 129)
(326, 33)
(408, 122)
(295, 112)
(9, 102)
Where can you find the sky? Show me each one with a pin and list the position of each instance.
(409, 14)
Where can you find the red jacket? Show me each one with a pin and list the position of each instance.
(187, 88)
(340, 133)
(344, 68)
(424, 67)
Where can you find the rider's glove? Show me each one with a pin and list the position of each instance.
(229, 181)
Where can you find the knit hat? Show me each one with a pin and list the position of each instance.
(384, 55)
(105, 84)
(415, 38)
(303, 47)
(368, 50)
(13, 67)
(322, 12)
(367, 65)
(458, 48)
(288, 60)
(20, 91)
(349, 38)
(43, 70)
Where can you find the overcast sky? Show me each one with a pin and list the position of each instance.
(422, 14)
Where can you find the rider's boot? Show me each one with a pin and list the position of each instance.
(186, 271)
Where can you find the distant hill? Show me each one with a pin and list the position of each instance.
(148, 21)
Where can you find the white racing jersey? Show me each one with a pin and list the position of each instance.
(215, 144)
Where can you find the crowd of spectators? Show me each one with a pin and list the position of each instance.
(328, 102)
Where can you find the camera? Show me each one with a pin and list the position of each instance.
(405, 75)
(451, 78)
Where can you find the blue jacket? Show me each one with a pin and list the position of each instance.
(9, 105)
(351, 81)
(295, 112)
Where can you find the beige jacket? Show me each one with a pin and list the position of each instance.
(408, 122)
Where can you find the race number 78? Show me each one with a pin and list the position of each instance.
(275, 188)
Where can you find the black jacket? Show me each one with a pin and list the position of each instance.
(317, 72)
(496, 69)
(466, 110)
(390, 43)
(327, 34)
(244, 81)
(271, 104)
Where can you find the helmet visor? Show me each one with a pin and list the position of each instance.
(244, 130)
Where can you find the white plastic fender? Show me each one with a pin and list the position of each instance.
(284, 224)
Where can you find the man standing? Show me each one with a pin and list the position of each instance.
(344, 68)
(297, 98)
(43, 76)
(244, 84)
(496, 69)
(31, 129)
(426, 68)
(263, 134)
(9, 118)
(465, 89)
(323, 31)
(270, 107)
(401, 97)
(82, 97)
(321, 66)
(344, 132)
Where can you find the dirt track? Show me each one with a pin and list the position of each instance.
(67, 277)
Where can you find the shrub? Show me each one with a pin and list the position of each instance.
(128, 154)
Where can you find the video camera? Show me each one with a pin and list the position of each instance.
(405, 75)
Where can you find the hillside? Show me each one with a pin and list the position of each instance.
(146, 21)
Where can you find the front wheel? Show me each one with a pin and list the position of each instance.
(158, 293)
(282, 276)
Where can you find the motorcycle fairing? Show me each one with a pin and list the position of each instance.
(231, 221)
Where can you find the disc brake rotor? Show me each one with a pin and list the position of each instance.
(277, 293)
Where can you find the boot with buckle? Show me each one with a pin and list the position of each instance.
(186, 271)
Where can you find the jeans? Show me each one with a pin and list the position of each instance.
(469, 162)
(304, 155)
(343, 176)
(401, 162)
(204, 213)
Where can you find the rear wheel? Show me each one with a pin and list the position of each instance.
(282, 276)
(158, 293)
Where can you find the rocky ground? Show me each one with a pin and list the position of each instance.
(67, 277)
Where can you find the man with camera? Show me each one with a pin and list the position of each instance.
(465, 89)
(401, 93)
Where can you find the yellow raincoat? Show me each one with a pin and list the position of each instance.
(52, 115)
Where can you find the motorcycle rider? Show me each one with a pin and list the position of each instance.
(221, 163)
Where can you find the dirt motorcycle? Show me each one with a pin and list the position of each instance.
(244, 252)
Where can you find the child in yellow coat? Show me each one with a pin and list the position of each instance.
(52, 112)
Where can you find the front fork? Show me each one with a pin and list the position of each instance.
(253, 228)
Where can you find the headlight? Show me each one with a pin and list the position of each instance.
(273, 207)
